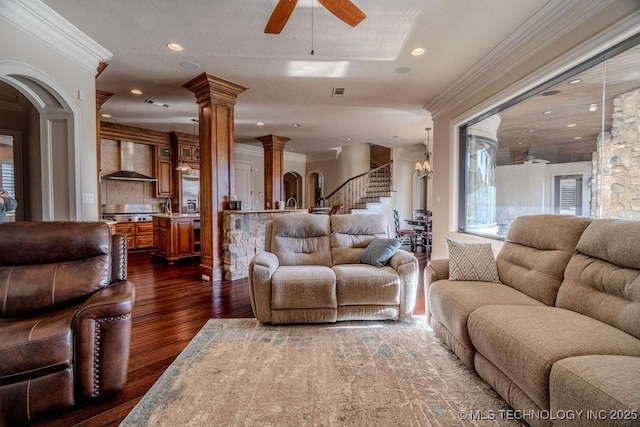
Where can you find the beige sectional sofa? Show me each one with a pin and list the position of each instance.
(559, 338)
(310, 272)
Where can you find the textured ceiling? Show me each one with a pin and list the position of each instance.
(286, 84)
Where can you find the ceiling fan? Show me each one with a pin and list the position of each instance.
(530, 158)
(343, 9)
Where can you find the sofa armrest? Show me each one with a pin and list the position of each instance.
(261, 268)
(102, 339)
(406, 265)
(437, 269)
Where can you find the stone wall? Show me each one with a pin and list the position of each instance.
(617, 180)
(243, 238)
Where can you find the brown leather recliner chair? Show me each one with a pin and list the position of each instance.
(65, 316)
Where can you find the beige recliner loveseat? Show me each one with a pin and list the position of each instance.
(559, 338)
(310, 272)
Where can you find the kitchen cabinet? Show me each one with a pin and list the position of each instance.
(163, 172)
(188, 152)
(176, 237)
(139, 234)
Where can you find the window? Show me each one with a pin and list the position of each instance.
(568, 195)
(7, 182)
(568, 147)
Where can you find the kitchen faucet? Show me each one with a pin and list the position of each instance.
(295, 202)
(167, 206)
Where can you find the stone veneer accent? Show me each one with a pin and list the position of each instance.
(243, 238)
(617, 180)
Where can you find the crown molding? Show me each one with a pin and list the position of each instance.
(549, 24)
(37, 20)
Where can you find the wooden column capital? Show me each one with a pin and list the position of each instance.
(101, 98)
(214, 90)
(273, 142)
(216, 99)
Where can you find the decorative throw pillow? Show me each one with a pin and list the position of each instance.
(472, 261)
(380, 251)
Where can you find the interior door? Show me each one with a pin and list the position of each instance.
(244, 178)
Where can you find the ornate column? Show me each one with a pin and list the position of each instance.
(216, 99)
(273, 168)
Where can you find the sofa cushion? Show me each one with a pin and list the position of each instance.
(602, 279)
(301, 239)
(361, 284)
(311, 286)
(451, 303)
(36, 346)
(525, 341)
(604, 386)
(380, 251)
(536, 252)
(472, 261)
(352, 233)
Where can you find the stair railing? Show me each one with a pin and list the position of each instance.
(352, 191)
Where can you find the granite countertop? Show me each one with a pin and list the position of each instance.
(258, 211)
(178, 215)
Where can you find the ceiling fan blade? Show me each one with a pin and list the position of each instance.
(280, 16)
(344, 10)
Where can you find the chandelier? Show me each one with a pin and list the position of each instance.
(423, 169)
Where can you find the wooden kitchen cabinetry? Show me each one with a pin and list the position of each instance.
(164, 171)
(139, 234)
(176, 237)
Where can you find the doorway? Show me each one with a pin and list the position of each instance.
(7, 171)
(292, 189)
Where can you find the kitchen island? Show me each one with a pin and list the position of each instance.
(176, 236)
(243, 238)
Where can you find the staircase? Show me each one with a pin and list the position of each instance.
(369, 192)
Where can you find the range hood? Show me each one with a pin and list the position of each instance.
(126, 172)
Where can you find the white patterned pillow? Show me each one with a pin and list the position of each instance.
(472, 261)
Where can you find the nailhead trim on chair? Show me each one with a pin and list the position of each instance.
(96, 352)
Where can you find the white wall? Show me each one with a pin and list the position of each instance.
(58, 64)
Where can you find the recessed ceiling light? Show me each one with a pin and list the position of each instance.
(575, 81)
(577, 137)
(106, 115)
(175, 47)
(349, 139)
(593, 107)
(191, 66)
(403, 70)
(572, 125)
(296, 125)
(136, 91)
(394, 137)
(520, 143)
(260, 124)
(531, 130)
(418, 51)
(547, 112)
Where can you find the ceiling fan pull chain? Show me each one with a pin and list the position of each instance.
(312, 27)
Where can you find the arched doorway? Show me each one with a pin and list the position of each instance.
(292, 189)
(45, 154)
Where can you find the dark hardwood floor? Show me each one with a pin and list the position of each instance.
(172, 304)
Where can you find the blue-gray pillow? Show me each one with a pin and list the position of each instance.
(380, 251)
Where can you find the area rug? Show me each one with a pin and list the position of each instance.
(238, 372)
